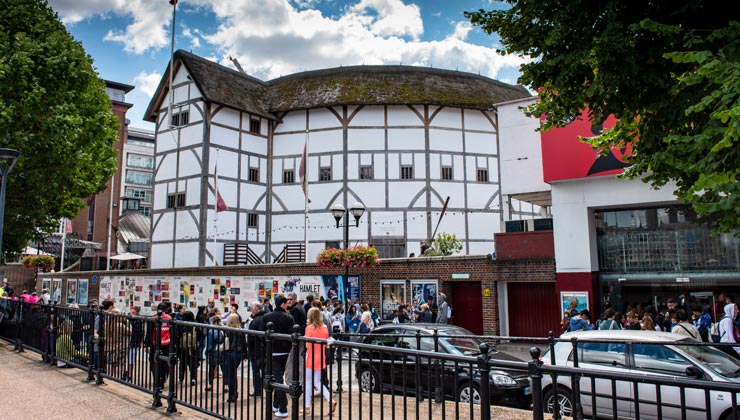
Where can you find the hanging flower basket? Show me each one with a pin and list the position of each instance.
(44, 262)
(355, 257)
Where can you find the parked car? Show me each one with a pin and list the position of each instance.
(458, 381)
(639, 352)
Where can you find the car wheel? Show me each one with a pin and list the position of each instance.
(468, 392)
(565, 401)
(369, 381)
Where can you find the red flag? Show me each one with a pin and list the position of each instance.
(173, 2)
(220, 203)
(302, 172)
(68, 226)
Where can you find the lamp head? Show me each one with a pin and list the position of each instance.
(338, 211)
(357, 210)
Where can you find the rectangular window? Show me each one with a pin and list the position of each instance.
(138, 178)
(252, 220)
(144, 195)
(175, 200)
(139, 161)
(181, 119)
(254, 125)
(447, 173)
(407, 172)
(146, 211)
(366, 172)
(325, 174)
(254, 175)
(288, 176)
(482, 175)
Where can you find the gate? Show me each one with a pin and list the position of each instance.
(533, 309)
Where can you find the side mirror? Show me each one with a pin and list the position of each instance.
(694, 372)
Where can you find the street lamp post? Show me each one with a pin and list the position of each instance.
(7, 155)
(339, 212)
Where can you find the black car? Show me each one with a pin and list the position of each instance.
(411, 375)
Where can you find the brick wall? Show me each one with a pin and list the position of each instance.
(20, 277)
(479, 268)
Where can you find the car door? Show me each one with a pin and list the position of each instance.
(417, 371)
(384, 363)
(610, 357)
(657, 360)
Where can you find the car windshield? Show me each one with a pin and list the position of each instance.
(466, 346)
(716, 360)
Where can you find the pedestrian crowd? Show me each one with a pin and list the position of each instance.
(718, 322)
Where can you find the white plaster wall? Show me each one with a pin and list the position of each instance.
(416, 224)
(369, 116)
(372, 194)
(521, 150)
(384, 223)
(479, 194)
(405, 139)
(394, 166)
(446, 140)
(227, 161)
(292, 144)
(573, 203)
(187, 227)
(189, 163)
(322, 118)
(165, 167)
(250, 194)
(293, 121)
(447, 117)
(192, 191)
(365, 139)
(476, 120)
(254, 144)
(402, 115)
(224, 137)
(449, 189)
(228, 117)
(164, 223)
(483, 143)
(224, 228)
(189, 136)
(186, 255)
(483, 225)
(161, 256)
(403, 192)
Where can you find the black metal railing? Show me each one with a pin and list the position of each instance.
(231, 373)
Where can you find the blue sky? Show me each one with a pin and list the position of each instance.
(129, 40)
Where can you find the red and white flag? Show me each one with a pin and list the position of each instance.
(302, 171)
(220, 202)
(67, 226)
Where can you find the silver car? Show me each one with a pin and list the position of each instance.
(634, 352)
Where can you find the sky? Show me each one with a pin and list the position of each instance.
(130, 40)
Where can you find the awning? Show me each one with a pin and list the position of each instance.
(127, 257)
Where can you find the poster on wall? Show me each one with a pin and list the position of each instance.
(573, 300)
(56, 290)
(422, 289)
(71, 291)
(392, 294)
(353, 287)
(46, 284)
(82, 291)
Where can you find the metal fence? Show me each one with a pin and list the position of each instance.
(202, 367)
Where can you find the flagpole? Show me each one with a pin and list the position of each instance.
(172, 62)
(215, 213)
(64, 242)
(305, 200)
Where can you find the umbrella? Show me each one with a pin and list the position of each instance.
(127, 256)
(33, 251)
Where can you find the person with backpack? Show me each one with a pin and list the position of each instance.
(684, 327)
(702, 321)
(159, 339)
(188, 349)
(236, 345)
(609, 323)
(214, 341)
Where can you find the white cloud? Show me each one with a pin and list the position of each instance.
(393, 17)
(462, 29)
(147, 82)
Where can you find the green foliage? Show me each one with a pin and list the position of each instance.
(54, 110)
(668, 71)
(445, 244)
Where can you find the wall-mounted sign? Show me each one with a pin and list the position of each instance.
(460, 275)
(486, 292)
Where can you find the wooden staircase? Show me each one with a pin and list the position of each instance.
(238, 253)
(292, 253)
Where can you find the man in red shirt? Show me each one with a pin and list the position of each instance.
(159, 339)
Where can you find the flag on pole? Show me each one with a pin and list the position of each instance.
(220, 202)
(67, 225)
(302, 170)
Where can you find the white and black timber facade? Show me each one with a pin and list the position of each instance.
(397, 139)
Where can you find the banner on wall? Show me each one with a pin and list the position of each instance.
(82, 291)
(46, 284)
(422, 289)
(392, 294)
(56, 290)
(71, 291)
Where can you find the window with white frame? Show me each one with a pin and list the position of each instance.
(138, 178)
(139, 161)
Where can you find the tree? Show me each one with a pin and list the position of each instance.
(444, 244)
(668, 71)
(54, 110)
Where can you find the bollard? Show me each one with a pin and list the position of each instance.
(171, 395)
(485, 382)
(554, 376)
(535, 374)
(295, 381)
(268, 371)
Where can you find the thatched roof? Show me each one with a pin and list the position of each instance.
(354, 85)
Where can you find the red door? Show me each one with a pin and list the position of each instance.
(533, 309)
(467, 304)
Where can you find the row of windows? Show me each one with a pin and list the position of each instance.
(138, 178)
(175, 200)
(144, 195)
(183, 118)
(366, 172)
(139, 161)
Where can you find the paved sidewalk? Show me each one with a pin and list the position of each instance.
(32, 388)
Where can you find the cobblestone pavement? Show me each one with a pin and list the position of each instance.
(31, 387)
